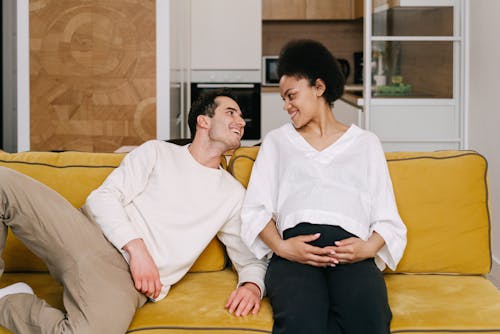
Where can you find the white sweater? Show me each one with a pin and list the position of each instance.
(161, 194)
(347, 185)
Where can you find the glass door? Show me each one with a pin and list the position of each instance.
(413, 93)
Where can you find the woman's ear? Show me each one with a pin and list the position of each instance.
(320, 86)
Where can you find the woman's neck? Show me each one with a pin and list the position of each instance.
(323, 130)
(324, 124)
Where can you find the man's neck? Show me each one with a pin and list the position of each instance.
(206, 154)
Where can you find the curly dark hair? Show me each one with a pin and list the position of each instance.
(205, 105)
(311, 60)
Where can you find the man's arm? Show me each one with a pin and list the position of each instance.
(251, 271)
(244, 299)
(106, 205)
(143, 269)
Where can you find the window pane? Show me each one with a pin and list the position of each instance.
(412, 69)
(413, 21)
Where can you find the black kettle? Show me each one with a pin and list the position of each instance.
(344, 67)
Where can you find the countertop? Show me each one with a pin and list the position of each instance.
(353, 94)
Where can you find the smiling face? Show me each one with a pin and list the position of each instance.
(301, 100)
(226, 125)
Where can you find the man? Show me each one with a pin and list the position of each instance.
(159, 209)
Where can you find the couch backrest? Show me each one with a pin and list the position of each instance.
(74, 175)
(443, 199)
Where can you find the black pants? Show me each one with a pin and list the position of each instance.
(346, 299)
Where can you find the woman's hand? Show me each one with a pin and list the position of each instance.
(297, 249)
(353, 249)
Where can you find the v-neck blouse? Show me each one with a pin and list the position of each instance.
(347, 184)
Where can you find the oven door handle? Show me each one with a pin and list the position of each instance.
(224, 85)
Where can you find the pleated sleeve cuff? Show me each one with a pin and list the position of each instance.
(253, 222)
(392, 252)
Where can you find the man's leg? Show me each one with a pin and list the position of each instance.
(95, 276)
(3, 238)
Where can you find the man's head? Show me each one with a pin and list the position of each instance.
(216, 114)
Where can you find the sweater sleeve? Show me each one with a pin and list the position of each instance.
(259, 205)
(106, 205)
(249, 268)
(384, 216)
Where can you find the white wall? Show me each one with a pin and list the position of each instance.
(162, 70)
(16, 103)
(484, 109)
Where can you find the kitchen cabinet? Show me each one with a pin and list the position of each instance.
(311, 9)
(283, 9)
(414, 95)
(381, 5)
(216, 43)
(226, 35)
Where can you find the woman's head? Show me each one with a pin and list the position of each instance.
(310, 60)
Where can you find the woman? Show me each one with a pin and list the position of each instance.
(320, 198)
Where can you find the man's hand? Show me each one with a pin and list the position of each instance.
(143, 268)
(297, 249)
(244, 300)
(353, 249)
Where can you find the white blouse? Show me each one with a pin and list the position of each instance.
(347, 184)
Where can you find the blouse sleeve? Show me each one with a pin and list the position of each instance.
(384, 215)
(259, 205)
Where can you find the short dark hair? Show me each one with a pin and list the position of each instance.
(311, 60)
(205, 105)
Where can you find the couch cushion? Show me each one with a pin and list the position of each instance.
(419, 303)
(443, 304)
(195, 304)
(443, 194)
(438, 193)
(74, 175)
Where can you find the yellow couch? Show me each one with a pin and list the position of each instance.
(439, 286)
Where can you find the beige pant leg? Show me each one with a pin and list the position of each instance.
(3, 238)
(99, 295)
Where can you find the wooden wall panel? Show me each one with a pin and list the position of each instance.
(92, 74)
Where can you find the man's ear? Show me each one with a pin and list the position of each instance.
(203, 121)
(320, 86)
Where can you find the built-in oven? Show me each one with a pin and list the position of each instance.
(248, 98)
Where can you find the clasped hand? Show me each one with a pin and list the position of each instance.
(348, 250)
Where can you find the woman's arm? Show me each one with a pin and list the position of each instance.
(297, 248)
(354, 249)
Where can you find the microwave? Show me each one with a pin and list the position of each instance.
(270, 71)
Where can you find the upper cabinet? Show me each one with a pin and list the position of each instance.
(226, 35)
(311, 9)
